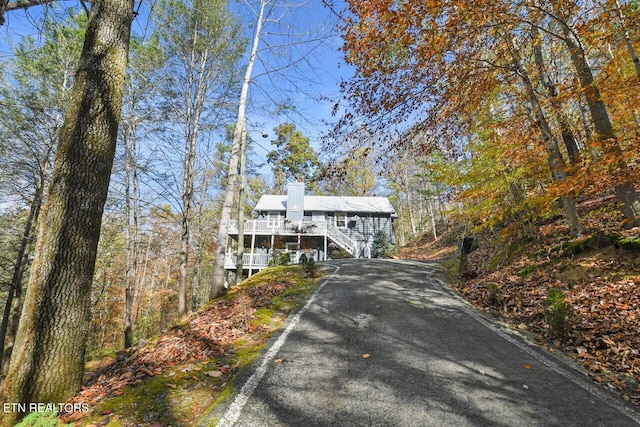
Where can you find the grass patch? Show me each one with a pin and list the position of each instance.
(41, 419)
(263, 317)
(451, 267)
(526, 270)
(165, 399)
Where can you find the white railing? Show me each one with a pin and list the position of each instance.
(342, 240)
(249, 260)
(281, 227)
(317, 228)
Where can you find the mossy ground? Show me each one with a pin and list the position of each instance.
(181, 395)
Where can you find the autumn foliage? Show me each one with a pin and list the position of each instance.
(524, 115)
(532, 103)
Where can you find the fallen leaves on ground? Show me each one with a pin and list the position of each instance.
(206, 334)
(603, 289)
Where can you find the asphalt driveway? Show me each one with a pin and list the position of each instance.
(386, 343)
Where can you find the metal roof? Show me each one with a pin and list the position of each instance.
(329, 204)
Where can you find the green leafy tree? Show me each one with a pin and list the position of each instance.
(294, 158)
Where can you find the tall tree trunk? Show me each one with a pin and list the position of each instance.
(241, 202)
(48, 360)
(568, 138)
(412, 220)
(194, 100)
(218, 287)
(195, 288)
(432, 218)
(553, 154)
(141, 283)
(187, 201)
(627, 39)
(625, 191)
(13, 306)
(131, 226)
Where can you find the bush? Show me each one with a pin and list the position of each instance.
(340, 254)
(283, 259)
(558, 313)
(494, 294)
(382, 247)
(310, 268)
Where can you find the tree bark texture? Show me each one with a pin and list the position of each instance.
(13, 307)
(628, 41)
(241, 202)
(553, 154)
(131, 234)
(48, 360)
(568, 137)
(217, 287)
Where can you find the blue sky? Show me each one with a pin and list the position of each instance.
(318, 78)
(304, 87)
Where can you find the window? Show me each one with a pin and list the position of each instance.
(273, 219)
(341, 220)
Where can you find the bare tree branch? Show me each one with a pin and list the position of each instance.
(8, 6)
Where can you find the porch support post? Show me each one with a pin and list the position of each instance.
(273, 250)
(326, 249)
(252, 257)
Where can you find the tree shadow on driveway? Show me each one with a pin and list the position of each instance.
(386, 344)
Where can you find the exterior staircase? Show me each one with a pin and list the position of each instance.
(343, 241)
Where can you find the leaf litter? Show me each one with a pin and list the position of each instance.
(205, 335)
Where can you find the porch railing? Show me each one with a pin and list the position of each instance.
(292, 227)
(318, 228)
(250, 260)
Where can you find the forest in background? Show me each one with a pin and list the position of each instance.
(470, 116)
(523, 116)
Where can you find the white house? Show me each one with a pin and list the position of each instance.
(318, 226)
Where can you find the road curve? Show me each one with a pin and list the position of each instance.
(386, 343)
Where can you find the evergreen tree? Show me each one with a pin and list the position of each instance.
(293, 158)
(382, 246)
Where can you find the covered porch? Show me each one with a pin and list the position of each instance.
(265, 250)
